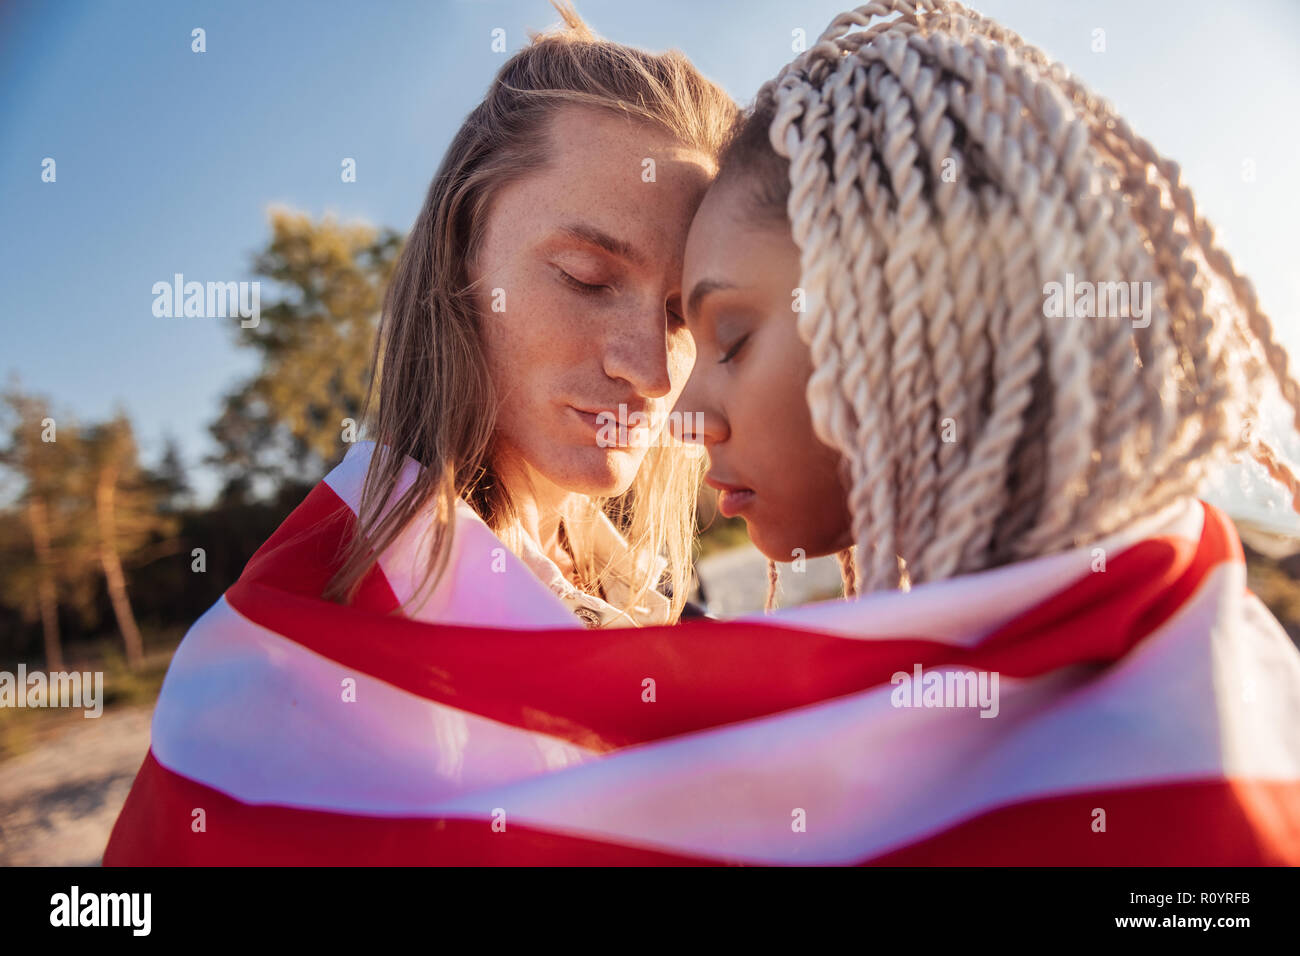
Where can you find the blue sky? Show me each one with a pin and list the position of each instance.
(168, 160)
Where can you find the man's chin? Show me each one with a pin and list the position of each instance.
(599, 472)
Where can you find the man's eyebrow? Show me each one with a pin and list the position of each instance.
(702, 289)
(597, 237)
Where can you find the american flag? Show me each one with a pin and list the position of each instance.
(1147, 712)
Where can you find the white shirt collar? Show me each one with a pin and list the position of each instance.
(606, 545)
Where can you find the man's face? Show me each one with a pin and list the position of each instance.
(578, 280)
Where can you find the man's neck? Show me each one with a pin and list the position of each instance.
(540, 506)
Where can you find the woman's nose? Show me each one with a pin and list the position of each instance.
(702, 422)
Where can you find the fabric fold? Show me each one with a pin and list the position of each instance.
(1144, 711)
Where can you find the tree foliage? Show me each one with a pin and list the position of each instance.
(314, 343)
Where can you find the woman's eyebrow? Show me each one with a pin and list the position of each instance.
(702, 289)
(589, 234)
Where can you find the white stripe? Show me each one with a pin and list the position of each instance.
(485, 584)
(264, 719)
(962, 611)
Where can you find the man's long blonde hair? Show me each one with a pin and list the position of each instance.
(938, 173)
(435, 401)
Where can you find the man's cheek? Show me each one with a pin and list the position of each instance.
(548, 327)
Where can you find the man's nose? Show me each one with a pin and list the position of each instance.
(636, 351)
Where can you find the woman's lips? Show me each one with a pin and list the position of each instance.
(732, 501)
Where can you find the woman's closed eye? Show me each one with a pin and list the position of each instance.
(731, 352)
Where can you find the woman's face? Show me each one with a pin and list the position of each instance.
(749, 380)
(578, 281)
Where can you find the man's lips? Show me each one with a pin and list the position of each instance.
(610, 420)
(591, 418)
(732, 499)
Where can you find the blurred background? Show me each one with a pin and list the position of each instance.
(133, 148)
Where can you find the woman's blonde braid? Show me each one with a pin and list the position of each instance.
(926, 309)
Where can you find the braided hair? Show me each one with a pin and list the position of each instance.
(938, 174)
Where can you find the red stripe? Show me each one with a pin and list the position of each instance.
(585, 685)
(1205, 823)
(156, 825)
(308, 547)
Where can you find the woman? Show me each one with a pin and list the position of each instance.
(924, 192)
(886, 371)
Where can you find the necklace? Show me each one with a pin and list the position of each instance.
(574, 576)
(572, 572)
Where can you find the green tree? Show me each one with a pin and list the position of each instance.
(41, 455)
(172, 484)
(314, 340)
(128, 515)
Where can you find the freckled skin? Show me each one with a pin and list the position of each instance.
(556, 345)
(756, 424)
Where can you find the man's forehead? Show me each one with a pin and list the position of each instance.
(686, 155)
(574, 129)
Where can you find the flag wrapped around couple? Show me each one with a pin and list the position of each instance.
(1125, 703)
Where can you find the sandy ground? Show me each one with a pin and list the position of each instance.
(59, 800)
(735, 581)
